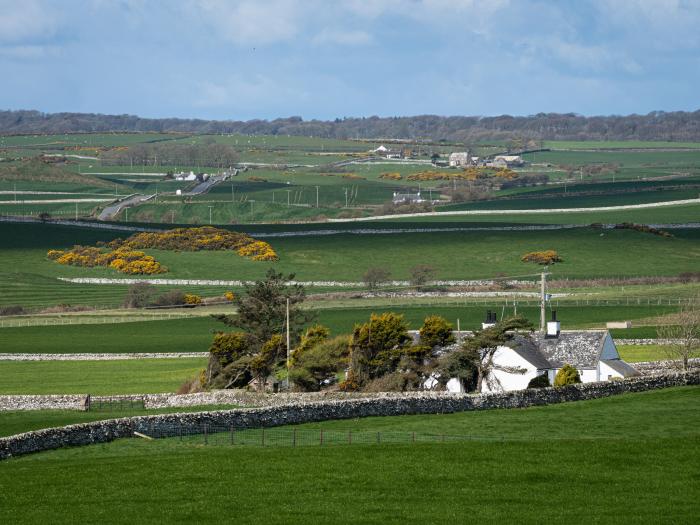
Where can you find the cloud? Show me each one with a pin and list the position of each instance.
(26, 20)
(29, 52)
(341, 37)
(248, 22)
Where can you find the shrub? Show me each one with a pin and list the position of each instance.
(229, 296)
(170, 298)
(541, 381)
(546, 257)
(436, 331)
(12, 310)
(391, 176)
(192, 299)
(567, 375)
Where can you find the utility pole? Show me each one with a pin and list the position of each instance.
(317, 196)
(251, 207)
(288, 353)
(232, 194)
(543, 298)
(76, 211)
(126, 212)
(210, 207)
(346, 196)
(289, 192)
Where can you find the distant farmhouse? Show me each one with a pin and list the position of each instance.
(506, 161)
(390, 153)
(459, 158)
(592, 352)
(408, 198)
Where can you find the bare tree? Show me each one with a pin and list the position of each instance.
(683, 337)
(374, 276)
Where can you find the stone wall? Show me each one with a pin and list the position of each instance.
(304, 412)
(53, 402)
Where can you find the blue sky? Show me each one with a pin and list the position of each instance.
(247, 59)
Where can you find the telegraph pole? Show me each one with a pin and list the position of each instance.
(288, 338)
(210, 207)
(317, 196)
(543, 298)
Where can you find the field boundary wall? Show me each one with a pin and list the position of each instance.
(307, 412)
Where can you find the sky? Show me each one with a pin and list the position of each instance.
(326, 59)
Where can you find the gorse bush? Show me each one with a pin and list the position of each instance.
(567, 375)
(546, 257)
(122, 259)
(126, 256)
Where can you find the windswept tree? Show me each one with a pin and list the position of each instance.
(258, 347)
(476, 356)
(261, 309)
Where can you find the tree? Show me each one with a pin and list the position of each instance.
(374, 276)
(320, 363)
(377, 346)
(567, 375)
(421, 274)
(261, 310)
(229, 356)
(139, 295)
(477, 352)
(682, 339)
(44, 216)
(312, 337)
(436, 331)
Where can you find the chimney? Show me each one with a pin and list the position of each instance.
(553, 327)
(490, 320)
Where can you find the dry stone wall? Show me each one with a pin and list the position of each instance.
(305, 412)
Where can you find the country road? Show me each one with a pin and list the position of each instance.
(113, 209)
(520, 212)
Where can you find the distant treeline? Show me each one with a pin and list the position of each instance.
(658, 125)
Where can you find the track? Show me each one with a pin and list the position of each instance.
(521, 212)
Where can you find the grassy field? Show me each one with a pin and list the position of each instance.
(135, 376)
(195, 334)
(606, 453)
(637, 353)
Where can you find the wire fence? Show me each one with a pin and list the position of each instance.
(217, 435)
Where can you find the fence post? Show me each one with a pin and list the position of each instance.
(232, 435)
(206, 439)
(294, 437)
(321, 438)
(263, 437)
(379, 437)
(413, 437)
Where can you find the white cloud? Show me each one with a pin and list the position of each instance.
(248, 22)
(29, 52)
(25, 20)
(341, 37)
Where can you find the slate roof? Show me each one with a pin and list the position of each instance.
(577, 348)
(526, 348)
(621, 367)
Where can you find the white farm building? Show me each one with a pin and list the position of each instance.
(592, 352)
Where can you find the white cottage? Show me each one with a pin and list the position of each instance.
(592, 352)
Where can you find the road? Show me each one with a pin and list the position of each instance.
(113, 209)
(520, 212)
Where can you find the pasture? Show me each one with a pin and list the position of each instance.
(604, 452)
(195, 334)
(129, 376)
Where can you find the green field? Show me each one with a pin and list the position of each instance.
(604, 453)
(134, 376)
(195, 334)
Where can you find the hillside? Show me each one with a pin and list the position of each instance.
(657, 125)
